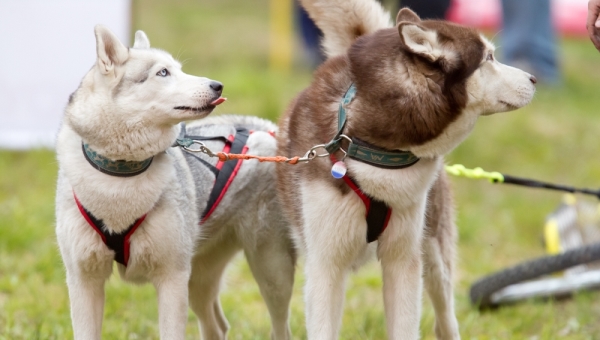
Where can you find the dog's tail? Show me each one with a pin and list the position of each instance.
(342, 21)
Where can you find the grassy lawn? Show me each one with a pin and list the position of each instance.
(553, 139)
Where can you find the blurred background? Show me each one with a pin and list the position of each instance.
(263, 51)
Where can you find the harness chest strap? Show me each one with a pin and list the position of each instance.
(119, 243)
(377, 212)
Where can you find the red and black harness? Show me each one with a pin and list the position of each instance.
(117, 242)
(224, 172)
(377, 212)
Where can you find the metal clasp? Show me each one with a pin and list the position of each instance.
(201, 148)
(312, 153)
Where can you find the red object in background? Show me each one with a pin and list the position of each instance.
(483, 14)
(568, 16)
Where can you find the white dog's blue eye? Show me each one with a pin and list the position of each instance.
(163, 73)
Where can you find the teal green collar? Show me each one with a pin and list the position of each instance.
(365, 152)
(114, 168)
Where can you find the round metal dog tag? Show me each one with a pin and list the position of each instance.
(338, 170)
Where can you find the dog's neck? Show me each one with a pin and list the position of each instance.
(363, 151)
(396, 130)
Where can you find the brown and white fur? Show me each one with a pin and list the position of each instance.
(128, 107)
(421, 85)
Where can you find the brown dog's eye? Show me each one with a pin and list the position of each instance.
(490, 57)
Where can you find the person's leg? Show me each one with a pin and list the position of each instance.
(427, 9)
(529, 39)
(311, 36)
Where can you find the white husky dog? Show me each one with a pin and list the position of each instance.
(125, 194)
(390, 101)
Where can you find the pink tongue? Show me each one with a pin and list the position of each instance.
(218, 101)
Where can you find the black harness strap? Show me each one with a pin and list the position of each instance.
(227, 173)
(377, 219)
(210, 167)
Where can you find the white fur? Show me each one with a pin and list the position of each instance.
(425, 43)
(126, 110)
(337, 244)
(496, 87)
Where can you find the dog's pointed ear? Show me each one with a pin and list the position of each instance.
(110, 50)
(405, 14)
(141, 40)
(419, 41)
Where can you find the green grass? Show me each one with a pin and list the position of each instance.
(554, 139)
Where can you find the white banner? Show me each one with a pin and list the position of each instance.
(47, 47)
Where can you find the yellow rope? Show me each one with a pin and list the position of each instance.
(477, 173)
(281, 35)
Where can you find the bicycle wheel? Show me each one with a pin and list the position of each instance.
(482, 291)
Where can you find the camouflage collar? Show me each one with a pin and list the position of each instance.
(119, 168)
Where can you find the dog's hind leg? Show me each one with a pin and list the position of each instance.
(207, 269)
(439, 252)
(272, 262)
(438, 282)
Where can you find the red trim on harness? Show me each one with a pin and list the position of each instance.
(127, 244)
(226, 149)
(87, 218)
(366, 200)
(224, 191)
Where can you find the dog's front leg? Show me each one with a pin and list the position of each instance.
(324, 297)
(400, 255)
(172, 291)
(334, 236)
(86, 295)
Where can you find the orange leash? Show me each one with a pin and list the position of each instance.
(224, 157)
(187, 144)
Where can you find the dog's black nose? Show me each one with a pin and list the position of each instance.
(533, 79)
(218, 87)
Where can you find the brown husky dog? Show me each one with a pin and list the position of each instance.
(389, 102)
